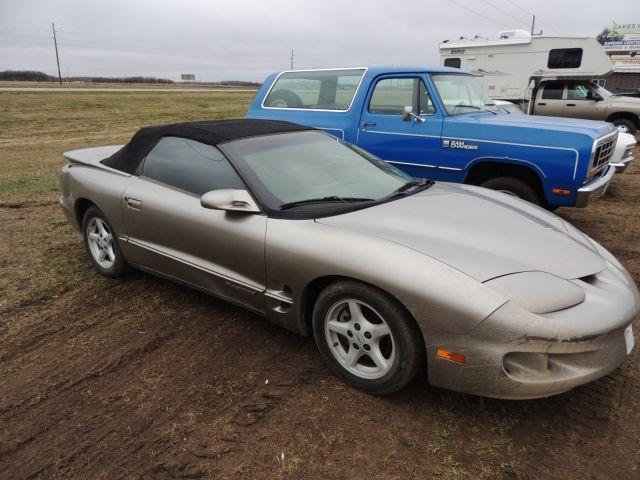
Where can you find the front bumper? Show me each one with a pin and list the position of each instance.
(515, 354)
(622, 165)
(595, 189)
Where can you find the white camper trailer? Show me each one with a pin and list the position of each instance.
(512, 64)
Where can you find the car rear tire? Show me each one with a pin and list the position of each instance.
(101, 243)
(514, 186)
(625, 126)
(367, 338)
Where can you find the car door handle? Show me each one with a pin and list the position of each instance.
(133, 203)
(541, 103)
(368, 124)
(571, 104)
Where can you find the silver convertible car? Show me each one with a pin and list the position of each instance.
(390, 274)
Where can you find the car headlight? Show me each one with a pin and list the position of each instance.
(538, 292)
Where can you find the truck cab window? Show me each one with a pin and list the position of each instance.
(453, 62)
(391, 95)
(577, 91)
(553, 91)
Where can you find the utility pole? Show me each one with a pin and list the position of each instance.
(291, 59)
(55, 44)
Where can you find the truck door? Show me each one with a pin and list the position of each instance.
(581, 101)
(549, 100)
(411, 144)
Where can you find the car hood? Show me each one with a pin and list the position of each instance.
(483, 233)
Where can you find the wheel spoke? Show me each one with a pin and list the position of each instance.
(339, 327)
(356, 312)
(109, 253)
(379, 330)
(108, 238)
(94, 236)
(376, 355)
(352, 357)
(102, 255)
(101, 227)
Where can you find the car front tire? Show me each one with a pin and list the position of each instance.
(367, 338)
(101, 243)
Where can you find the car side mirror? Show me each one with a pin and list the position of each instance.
(230, 201)
(408, 115)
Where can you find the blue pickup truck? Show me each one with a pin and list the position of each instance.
(438, 123)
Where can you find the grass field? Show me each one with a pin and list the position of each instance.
(141, 378)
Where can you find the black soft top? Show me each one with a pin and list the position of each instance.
(128, 158)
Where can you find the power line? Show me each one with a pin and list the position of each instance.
(478, 13)
(530, 13)
(519, 20)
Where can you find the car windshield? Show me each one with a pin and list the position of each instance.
(303, 170)
(462, 93)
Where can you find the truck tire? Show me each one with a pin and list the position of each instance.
(625, 126)
(514, 186)
(284, 99)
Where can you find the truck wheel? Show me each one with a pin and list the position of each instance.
(625, 126)
(284, 99)
(515, 187)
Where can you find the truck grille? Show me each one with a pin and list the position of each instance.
(602, 154)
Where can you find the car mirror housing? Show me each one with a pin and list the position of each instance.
(229, 200)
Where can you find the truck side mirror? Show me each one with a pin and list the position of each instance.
(406, 113)
(591, 95)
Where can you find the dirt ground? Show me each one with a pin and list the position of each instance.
(141, 378)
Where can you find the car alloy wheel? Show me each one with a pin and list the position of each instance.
(359, 339)
(100, 241)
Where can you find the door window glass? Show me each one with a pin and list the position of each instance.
(191, 166)
(577, 91)
(553, 91)
(391, 95)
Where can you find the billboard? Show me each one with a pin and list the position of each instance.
(621, 41)
(188, 77)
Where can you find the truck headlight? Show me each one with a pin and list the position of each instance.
(538, 292)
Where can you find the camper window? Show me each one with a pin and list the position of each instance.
(565, 58)
(453, 62)
(553, 91)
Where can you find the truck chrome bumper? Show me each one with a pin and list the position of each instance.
(622, 165)
(595, 189)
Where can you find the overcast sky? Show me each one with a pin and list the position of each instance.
(245, 40)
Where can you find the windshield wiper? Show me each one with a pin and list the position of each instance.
(407, 188)
(331, 198)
